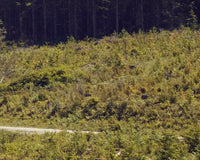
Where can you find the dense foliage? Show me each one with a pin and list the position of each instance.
(142, 91)
(38, 21)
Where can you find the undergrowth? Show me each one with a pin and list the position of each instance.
(142, 91)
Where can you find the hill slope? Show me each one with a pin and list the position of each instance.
(142, 84)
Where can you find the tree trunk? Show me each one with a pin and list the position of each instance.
(69, 18)
(75, 19)
(117, 16)
(94, 17)
(88, 17)
(21, 26)
(55, 22)
(157, 8)
(140, 15)
(45, 20)
(20, 22)
(33, 22)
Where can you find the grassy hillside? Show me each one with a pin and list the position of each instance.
(141, 91)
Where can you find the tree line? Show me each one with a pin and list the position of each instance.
(39, 21)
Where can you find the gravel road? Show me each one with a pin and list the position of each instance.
(40, 130)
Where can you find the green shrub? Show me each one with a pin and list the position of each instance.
(140, 90)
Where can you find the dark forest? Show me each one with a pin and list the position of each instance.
(37, 21)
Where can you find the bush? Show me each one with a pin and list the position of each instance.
(42, 78)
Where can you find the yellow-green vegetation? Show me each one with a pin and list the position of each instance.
(142, 91)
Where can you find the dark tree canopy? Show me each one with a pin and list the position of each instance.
(38, 21)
